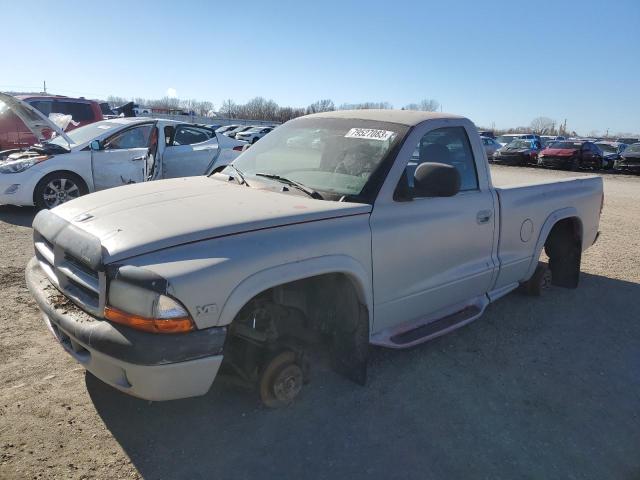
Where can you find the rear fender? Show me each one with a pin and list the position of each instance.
(549, 223)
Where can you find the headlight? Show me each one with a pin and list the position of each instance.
(143, 309)
(17, 166)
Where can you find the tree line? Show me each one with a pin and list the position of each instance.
(260, 108)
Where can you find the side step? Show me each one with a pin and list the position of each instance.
(426, 329)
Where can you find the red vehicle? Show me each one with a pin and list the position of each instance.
(571, 155)
(15, 135)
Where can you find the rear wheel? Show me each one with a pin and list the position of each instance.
(58, 188)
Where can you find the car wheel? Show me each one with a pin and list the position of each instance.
(255, 139)
(281, 380)
(58, 188)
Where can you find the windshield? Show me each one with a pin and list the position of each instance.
(330, 155)
(608, 148)
(520, 144)
(566, 145)
(633, 148)
(505, 139)
(85, 134)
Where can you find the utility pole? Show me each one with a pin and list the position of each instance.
(44, 86)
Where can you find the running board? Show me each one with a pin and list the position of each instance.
(422, 330)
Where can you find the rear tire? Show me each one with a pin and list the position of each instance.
(57, 188)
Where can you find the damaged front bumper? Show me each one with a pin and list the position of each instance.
(145, 365)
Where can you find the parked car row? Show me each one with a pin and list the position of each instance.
(247, 133)
(558, 152)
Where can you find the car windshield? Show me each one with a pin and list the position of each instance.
(85, 134)
(565, 145)
(506, 138)
(520, 144)
(334, 156)
(633, 148)
(608, 148)
(254, 129)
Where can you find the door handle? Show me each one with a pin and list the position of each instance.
(137, 159)
(484, 216)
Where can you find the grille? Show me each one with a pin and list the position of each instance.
(82, 285)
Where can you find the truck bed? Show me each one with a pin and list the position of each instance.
(529, 210)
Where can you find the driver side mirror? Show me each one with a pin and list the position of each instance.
(95, 145)
(436, 180)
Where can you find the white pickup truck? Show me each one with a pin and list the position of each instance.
(372, 227)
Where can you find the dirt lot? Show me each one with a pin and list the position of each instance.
(537, 388)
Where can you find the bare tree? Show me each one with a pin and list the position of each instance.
(366, 106)
(116, 101)
(543, 126)
(325, 105)
(429, 105)
(229, 109)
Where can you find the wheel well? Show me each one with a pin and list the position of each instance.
(566, 232)
(81, 180)
(564, 248)
(320, 310)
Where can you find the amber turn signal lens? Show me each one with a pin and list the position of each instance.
(153, 325)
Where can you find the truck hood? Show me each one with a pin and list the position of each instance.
(34, 119)
(136, 219)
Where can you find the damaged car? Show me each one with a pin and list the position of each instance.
(105, 154)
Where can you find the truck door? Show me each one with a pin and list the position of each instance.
(123, 157)
(432, 253)
(190, 151)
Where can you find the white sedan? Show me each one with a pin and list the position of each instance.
(105, 154)
(253, 134)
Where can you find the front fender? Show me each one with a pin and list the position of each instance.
(272, 277)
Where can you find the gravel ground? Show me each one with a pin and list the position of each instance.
(537, 388)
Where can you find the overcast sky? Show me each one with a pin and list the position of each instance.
(496, 62)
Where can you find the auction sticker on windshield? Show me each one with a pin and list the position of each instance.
(369, 133)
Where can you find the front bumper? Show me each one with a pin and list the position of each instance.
(146, 365)
(15, 189)
(511, 159)
(627, 165)
(554, 162)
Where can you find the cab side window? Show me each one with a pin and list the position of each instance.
(449, 145)
(186, 135)
(137, 137)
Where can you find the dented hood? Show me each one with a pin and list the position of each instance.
(140, 218)
(33, 118)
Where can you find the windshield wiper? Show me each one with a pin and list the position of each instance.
(244, 181)
(309, 191)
